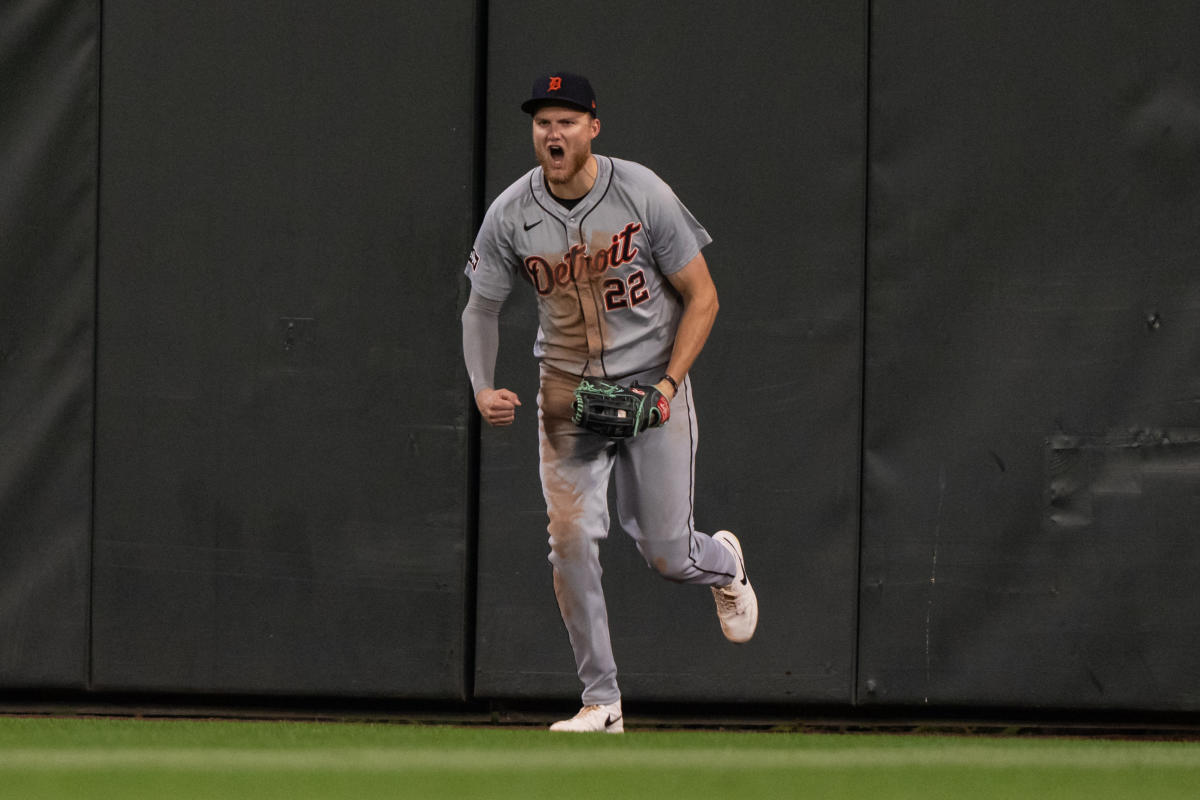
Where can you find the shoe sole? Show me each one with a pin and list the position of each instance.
(619, 727)
(612, 726)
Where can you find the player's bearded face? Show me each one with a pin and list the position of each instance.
(562, 141)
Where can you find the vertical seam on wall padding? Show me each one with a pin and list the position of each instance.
(474, 425)
(862, 395)
(89, 682)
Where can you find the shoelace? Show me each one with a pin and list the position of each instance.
(729, 599)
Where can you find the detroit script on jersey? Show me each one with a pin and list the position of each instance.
(599, 269)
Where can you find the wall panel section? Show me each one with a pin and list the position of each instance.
(1033, 339)
(48, 151)
(282, 440)
(757, 122)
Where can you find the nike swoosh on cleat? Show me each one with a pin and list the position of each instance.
(608, 723)
(529, 225)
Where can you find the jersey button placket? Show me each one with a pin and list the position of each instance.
(591, 304)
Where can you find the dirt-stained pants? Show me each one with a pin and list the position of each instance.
(654, 475)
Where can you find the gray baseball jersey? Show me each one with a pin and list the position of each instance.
(604, 304)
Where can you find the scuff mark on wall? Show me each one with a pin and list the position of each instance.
(937, 538)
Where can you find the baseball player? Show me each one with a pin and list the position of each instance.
(624, 296)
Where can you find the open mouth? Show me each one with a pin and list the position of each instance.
(556, 153)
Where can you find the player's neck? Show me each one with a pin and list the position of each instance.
(566, 202)
(579, 185)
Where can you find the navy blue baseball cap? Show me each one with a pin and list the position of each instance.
(561, 88)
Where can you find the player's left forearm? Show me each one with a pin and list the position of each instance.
(699, 314)
(699, 295)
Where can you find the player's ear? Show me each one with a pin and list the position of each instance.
(595, 127)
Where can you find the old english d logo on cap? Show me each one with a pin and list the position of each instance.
(561, 88)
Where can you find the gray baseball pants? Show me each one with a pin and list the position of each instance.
(654, 475)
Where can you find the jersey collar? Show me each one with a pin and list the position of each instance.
(604, 172)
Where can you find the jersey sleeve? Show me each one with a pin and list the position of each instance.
(675, 234)
(492, 263)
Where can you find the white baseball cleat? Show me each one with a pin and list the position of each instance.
(594, 719)
(737, 605)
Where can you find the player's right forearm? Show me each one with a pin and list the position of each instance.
(481, 340)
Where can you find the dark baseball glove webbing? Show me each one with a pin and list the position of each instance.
(619, 412)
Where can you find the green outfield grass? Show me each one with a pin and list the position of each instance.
(180, 759)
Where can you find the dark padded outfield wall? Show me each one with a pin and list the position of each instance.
(757, 122)
(48, 125)
(282, 439)
(1033, 356)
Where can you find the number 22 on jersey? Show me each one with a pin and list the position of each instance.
(619, 293)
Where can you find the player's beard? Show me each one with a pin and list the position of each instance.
(571, 166)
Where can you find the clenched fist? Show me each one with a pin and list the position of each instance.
(497, 406)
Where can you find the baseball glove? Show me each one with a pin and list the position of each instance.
(617, 411)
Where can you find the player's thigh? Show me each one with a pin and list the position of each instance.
(655, 475)
(575, 466)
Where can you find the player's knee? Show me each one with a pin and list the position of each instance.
(669, 570)
(571, 545)
(671, 561)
